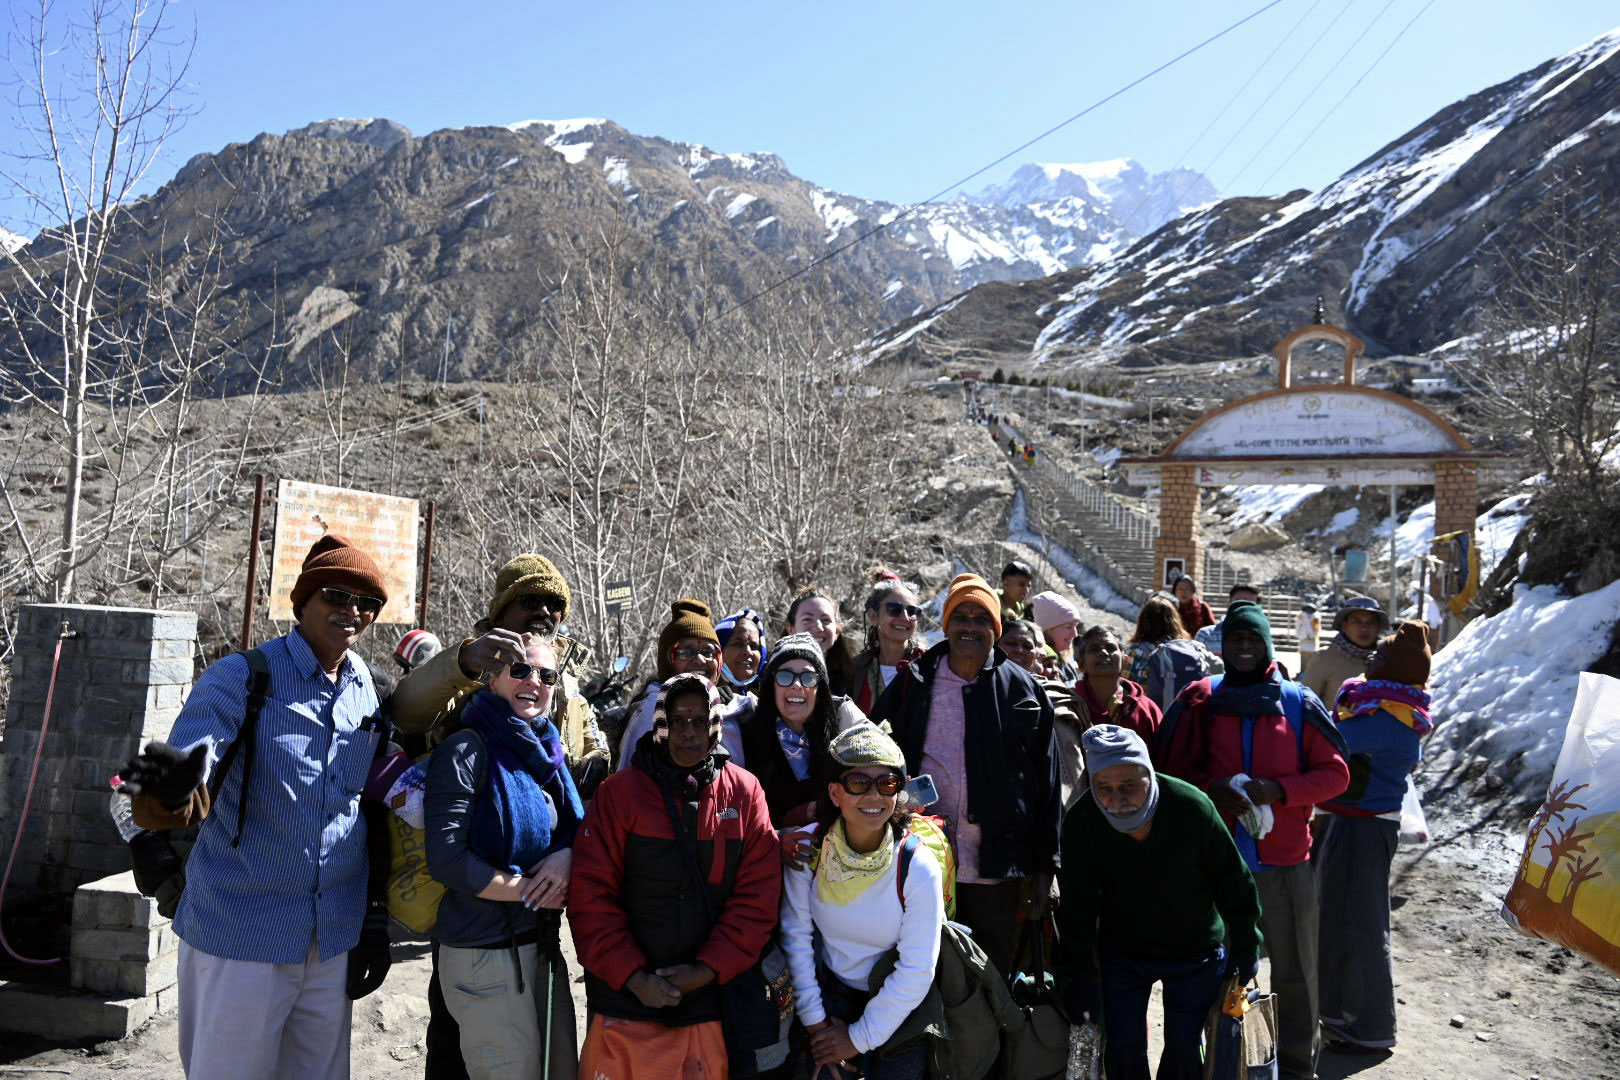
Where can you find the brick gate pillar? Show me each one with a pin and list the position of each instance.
(1456, 495)
(1178, 522)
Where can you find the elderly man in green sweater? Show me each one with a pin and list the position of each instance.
(1152, 883)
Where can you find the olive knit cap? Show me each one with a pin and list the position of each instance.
(965, 587)
(529, 575)
(334, 562)
(688, 618)
(865, 743)
(1248, 615)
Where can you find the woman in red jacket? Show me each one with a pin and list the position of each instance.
(1195, 613)
(676, 881)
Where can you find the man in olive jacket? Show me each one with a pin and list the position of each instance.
(978, 724)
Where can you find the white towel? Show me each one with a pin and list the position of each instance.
(1258, 820)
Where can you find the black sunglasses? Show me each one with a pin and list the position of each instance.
(784, 677)
(910, 611)
(859, 783)
(535, 601)
(342, 598)
(521, 671)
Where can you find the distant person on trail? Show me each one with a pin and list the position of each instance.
(276, 932)
(1358, 623)
(1308, 628)
(1151, 885)
(1383, 718)
(676, 883)
(1059, 621)
(893, 616)
(1210, 636)
(1164, 660)
(790, 729)
(815, 613)
(982, 728)
(1265, 750)
(1016, 580)
(1194, 611)
(502, 812)
(688, 645)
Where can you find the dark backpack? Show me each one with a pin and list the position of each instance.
(1174, 666)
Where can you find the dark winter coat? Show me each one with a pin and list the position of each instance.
(1013, 790)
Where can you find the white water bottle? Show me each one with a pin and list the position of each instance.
(123, 813)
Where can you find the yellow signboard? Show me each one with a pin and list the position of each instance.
(383, 526)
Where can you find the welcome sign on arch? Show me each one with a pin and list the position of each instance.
(1336, 433)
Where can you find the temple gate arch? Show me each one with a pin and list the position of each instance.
(1329, 433)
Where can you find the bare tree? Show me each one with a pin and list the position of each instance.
(98, 92)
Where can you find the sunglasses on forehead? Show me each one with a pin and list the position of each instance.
(521, 671)
(859, 783)
(342, 598)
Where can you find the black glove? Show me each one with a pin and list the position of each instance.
(1246, 968)
(370, 960)
(1082, 1000)
(165, 773)
(155, 861)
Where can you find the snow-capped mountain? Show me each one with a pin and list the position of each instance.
(1407, 247)
(12, 241)
(1138, 200)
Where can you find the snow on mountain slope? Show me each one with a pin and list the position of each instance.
(1399, 245)
(1139, 201)
(12, 241)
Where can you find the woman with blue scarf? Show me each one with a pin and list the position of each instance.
(502, 811)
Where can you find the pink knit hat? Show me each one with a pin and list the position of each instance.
(1048, 609)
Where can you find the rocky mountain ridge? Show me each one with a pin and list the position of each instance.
(1407, 247)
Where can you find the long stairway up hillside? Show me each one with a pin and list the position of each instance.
(1116, 539)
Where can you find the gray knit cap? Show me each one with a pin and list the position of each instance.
(794, 647)
(1107, 745)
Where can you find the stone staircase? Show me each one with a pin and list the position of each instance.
(1116, 539)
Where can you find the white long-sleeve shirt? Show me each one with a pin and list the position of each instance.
(856, 934)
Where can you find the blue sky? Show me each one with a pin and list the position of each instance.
(886, 101)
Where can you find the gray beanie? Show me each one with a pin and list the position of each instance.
(795, 647)
(1107, 745)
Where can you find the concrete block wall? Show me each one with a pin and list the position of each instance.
(121, 682)
(121, 946)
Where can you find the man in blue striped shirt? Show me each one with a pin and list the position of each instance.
(268, 920)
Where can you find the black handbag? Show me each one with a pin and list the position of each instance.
(1039, 1048)
(756, 1007)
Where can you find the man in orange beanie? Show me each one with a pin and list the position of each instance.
(276, 934)
(978, 724)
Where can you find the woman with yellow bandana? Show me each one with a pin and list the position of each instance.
(850, 894)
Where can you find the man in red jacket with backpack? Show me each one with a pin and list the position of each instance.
(1266, 752)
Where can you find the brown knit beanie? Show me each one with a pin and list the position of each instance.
(688, 618)
(333, 561)
(1404, 656)
(975, 588)
(529, 575)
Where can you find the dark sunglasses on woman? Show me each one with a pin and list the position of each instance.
(859, 783)
(521, 671)
(784, 677)
(894, 610)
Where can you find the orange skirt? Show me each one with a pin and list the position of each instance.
(642, 1050)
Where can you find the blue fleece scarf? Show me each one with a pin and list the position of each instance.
(529, 807)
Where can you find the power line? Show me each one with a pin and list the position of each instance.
(1255, 74)
(913, 208)
(1325, 116)
(1326, 75)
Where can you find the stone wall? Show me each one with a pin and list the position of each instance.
(122, 678)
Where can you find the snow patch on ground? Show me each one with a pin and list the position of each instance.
(617, 172)
(739, 204)
(1263, 502)
(1343, 520)
(482, 198)
(1504, 687)
(836, 217)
